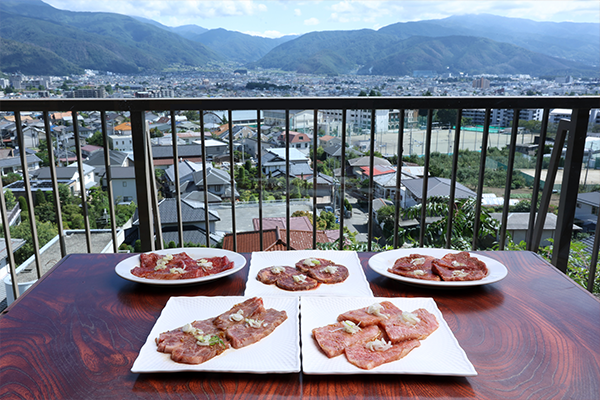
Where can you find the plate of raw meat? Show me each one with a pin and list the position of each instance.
(438, 267)
(180, 266)
(224, 334)
(369, 335)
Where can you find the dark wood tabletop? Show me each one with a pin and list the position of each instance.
(76, 333)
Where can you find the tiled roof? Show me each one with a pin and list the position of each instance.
(273, 239)
(378, 170)
(296, 223)
(365, 161)
(125, 126)
(437, 187)
(189, 214)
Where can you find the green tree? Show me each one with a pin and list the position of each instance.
(463, 223)
(9, 198)
(446, 116)
(10, 178)
(97, 139)
(46, 231)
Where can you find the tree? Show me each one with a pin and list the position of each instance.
(10, 199)
(446, 116)
(10, 178)
(46, 231)
(97, 139)
(463, 222)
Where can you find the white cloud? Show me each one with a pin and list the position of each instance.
(311, 21)
(297, 12)
(267, 34)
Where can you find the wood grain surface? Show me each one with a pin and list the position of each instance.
(77, 332)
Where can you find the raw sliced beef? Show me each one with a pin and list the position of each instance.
(409, 325)
(297, 282)
(333, 339)
(415, 266)
(253, 329)
(379, 312)
(329, 274)
(179, 266)
(459, 267)
(365, 358)
(307, 264)
(239, 312)
(187, 347)
(270, 275)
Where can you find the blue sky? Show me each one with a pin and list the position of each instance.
(275, 18)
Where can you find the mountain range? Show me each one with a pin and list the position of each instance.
(38, 39)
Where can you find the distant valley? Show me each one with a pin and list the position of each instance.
(38, 39)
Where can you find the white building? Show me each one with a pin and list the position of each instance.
(360, 120)
(121, 142)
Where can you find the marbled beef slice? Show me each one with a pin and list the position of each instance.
(255, 327)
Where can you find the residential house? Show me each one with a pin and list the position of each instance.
(88, 149)
(274, 163)
(191, 179)
(239, 132)
(213, 148)
(517, 226)
(297, 140)
(586, 211)
(117, 158)
(123, 183)
(354, 167)
(250, 146)
(325, 187)
(123, 129)
(436, 187)
(121, 142)
(218, 182)
(69, 174)
(296, 224)
(385, 183)
(273, 240)
(193, 221)
(10, 161)
(327, 140)
(162, 156)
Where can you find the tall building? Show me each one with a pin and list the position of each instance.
(359, 120)
(91, 93)
(481, 83)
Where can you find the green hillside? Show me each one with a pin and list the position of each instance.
(33, 60)
(100, 41)
(369, 52)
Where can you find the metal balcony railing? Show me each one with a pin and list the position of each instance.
(570, 133)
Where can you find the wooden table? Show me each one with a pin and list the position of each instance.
(77, 332)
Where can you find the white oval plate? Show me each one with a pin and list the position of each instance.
(380, 263)
(123, 269)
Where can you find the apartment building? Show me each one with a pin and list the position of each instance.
(359, 120)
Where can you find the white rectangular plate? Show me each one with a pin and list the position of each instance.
(439, 354)
(356, 284)
(277, 353)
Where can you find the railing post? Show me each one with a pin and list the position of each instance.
(144, 174)
(570, 188)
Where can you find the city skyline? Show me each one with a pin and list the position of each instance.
(274, 19)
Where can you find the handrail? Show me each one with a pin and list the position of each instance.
(150, 232)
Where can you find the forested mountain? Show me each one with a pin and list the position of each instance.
(100, 41)
(40, 39)
(238, 46)
(574, 41)
(370, 52)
